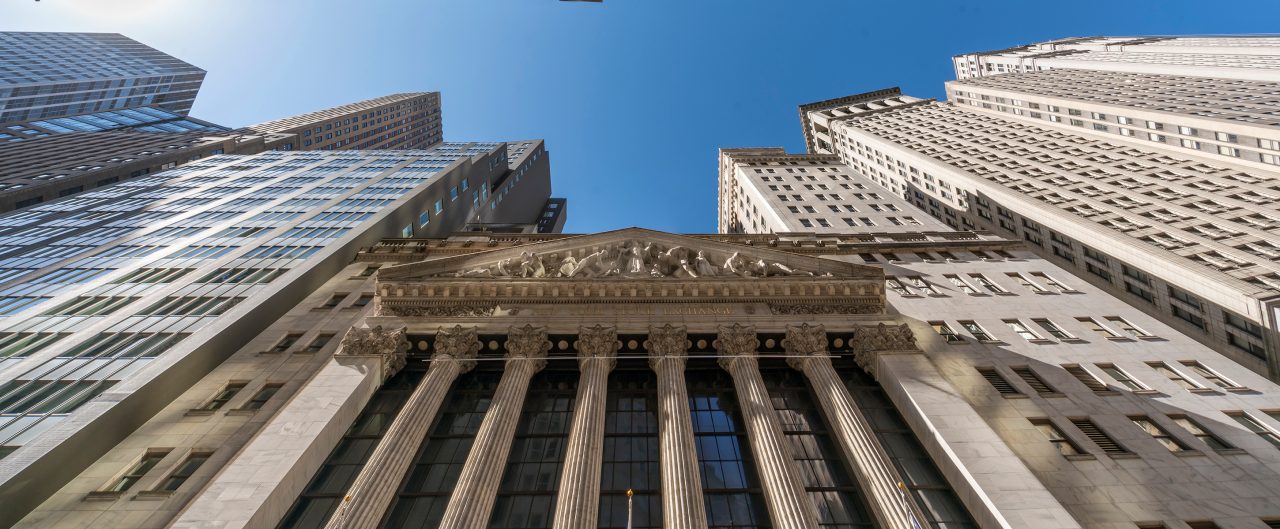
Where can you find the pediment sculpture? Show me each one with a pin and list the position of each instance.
(630, 259)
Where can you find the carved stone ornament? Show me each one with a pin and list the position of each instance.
(871, 338)
(598, 341)
(459, 343)
(528, 342)
(735, 342)
(446, 311)
(667, 341)
(805, 339)
(392, 345)
(867, 361)
(631, 259)
(823, 309)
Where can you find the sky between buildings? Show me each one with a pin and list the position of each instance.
(632, 96)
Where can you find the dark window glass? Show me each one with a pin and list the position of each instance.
(631, 451)
(729, 479)
(526, 499)
(825, 476)
(320, 498)
(941, 506)
(424, 493)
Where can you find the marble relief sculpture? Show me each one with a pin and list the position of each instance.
(631, 259)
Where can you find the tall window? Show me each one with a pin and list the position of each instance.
(221, 398)
(1128, 328)
(1210, 375)
(425, 491)
(527, 495)
(631, 451)
(729, 481)
(1122, 377)
(139, 469)
(321, 497)
(946, 332)
(1256, 427)
(1158, 433)
(1205, 436)
(1062, 443)
(1174, 375)
(976, 330)
(1021, 329)
(824, 474)
(184, 471)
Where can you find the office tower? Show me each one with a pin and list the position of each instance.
(1015, 337)
(1137, 200)
(1241, 57)
(115, 301)
(49, 75)
(398, 121)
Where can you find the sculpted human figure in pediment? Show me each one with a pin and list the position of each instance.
(630, 259)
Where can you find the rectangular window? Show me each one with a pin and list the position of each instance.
(318, 343)
(1051, 432)
(262, 396)
(988, 284)
(976, 331)
(1159, 434)
(221, 398)
(1034, 380)
(1206, 437)
(1052, 328)
(1122, 377)
(334, 301)
(285, 343)
(139, 469)
(184, 471)
(1128, 328)
(1099, 437)
(946, 332)
(961, 284)
(1098, 328)
(923, 284)
(1087, 378)
(1174, 375)
(1256, 427)
(1021, 329)
(997, 381)
(1210, 375)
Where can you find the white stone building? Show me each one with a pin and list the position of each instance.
(1245, 57)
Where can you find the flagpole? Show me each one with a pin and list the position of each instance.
(629, 493)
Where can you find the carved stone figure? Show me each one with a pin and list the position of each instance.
(631, 259)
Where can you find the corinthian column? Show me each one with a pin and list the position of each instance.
(807, 351)
(477, 489)
(789, 506)
(375, 487)
(578, 502)
(682, 504)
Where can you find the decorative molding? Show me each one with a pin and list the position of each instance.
(528, 343)
(446, 311)
(460, 344)
(668, 342)
(598, 341)
(809, 308)
(390, 345)
(804, 341)
(870, 341)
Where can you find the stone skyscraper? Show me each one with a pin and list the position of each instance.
(49, 75)
(1241, 57)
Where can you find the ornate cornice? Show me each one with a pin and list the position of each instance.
(598, 342)
(528, 343)
(390, 345)
(814, 308)
(668, 342)
(871, 341)
(458, 344)
(805, 339)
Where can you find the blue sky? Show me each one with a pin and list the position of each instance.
(632, 96)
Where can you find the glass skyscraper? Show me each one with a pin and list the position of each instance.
(49, 75)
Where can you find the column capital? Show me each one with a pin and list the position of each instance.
(598, 342)
(528, 343)
(870, 341)
(803, 343)
(390, 345)
(735, 342)
(459, 344)
(668, 342)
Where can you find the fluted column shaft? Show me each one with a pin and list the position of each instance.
(789, 506)
(875, 473)
(683, 506)
(375, 487)
(477, 489)
(578, 501)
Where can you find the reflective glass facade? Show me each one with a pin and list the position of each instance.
(142, 119)
(48, 75)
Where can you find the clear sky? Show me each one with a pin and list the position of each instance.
(632, 96)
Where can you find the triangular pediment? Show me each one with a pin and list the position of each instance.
(628, 254)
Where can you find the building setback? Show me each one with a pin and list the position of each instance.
(50, 75)
(115, 301)
(1241, 57)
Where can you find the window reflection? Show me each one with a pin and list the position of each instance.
(527, 496)
(728, 473)
(631, 450)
